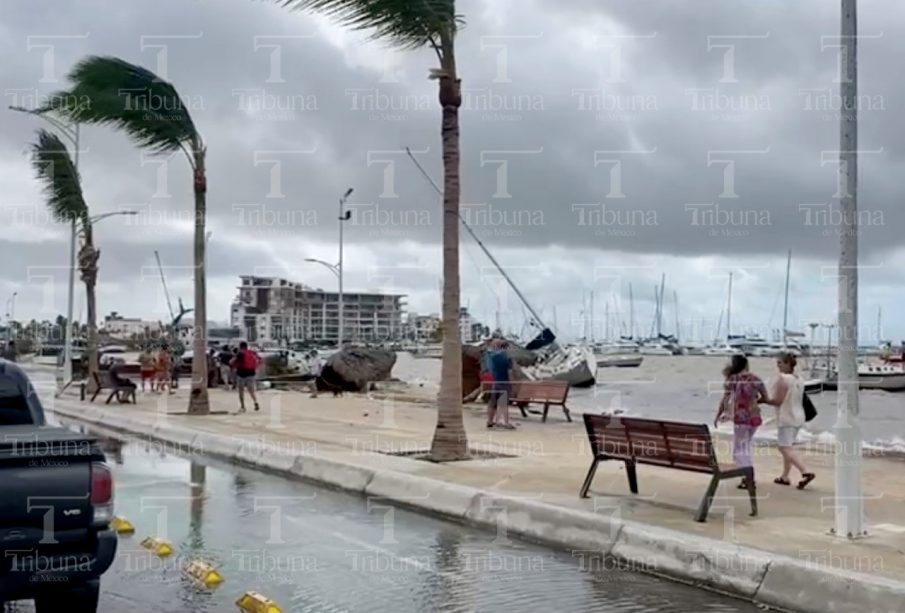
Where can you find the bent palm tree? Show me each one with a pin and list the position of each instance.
(63, 188)
(111, 91)
(413, 24)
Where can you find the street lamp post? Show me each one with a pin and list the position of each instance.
(10, 315)
(69, 131)
(343, 216)
(336, 270)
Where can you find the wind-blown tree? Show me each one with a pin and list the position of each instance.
(111, 91)
(63, 188)
(415, 24)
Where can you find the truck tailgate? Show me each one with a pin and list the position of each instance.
(46, 477)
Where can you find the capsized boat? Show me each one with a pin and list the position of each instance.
(574, 364)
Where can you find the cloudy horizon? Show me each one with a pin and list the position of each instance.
(602, 146)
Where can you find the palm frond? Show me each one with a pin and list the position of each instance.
(62, 185)
(409, 24)
(111, 91)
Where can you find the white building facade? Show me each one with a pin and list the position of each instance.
(269, 309)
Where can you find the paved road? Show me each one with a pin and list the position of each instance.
(316, 550)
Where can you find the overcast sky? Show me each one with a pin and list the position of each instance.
(603, 144)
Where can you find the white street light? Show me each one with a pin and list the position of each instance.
(10, 315)
(343, 216)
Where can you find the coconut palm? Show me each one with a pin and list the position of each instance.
(414, 24)
(63, 188)
(111, 91)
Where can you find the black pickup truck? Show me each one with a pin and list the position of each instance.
(56, 502)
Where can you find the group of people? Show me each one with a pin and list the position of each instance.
(744, 392)
(159, 368)
(235, 368)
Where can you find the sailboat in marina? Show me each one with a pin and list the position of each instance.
(621, 353)
(574, 364)
(725, 348)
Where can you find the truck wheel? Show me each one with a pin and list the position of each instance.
(81, 599)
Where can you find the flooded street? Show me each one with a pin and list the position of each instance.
(316, 550)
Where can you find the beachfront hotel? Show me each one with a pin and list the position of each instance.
(275, 309)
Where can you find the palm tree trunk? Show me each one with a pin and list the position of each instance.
(91, 300)
(199, 403)
(88, 258)
(450, 442)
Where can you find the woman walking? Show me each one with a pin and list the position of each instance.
(788, 396)
(742, 391)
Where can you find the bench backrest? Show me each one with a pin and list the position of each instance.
(540, 391)
(651, 441)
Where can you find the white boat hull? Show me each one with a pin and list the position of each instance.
(619, 361)
(655, 351)
(870, 377)
(574, 365)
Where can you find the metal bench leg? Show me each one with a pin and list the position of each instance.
(82, 392)
(546, 408)
(110, 397)
(587, 480)
(752, 490)
(632, 474)
(521, 407)
(708, 499)
(566, 411)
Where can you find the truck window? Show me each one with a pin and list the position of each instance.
(14, 409)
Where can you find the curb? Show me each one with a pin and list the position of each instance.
(758, 576)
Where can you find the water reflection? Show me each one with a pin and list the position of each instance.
(197, 481)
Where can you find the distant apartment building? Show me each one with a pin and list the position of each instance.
(470, 329)
(124, 327)
(274, 309)
(424, 328)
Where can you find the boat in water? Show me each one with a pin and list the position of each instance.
(724, 350)
(887, 377)
(619, 361)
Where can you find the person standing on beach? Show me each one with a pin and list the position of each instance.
(246, 365)
(500, 367)
(226, 372)
(788, 397)
(146, 368)
(742, 391)
(164, 363)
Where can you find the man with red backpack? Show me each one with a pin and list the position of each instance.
(246, 366)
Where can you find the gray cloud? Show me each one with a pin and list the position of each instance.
(567, 149)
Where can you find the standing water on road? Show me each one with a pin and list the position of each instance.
(317, 550)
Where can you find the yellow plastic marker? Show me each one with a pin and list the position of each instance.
(122, 525)
(158, 545)
(253, 602)
(203, 573)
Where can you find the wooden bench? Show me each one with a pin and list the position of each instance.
(105, 381)
(548, 393)
(670, 444)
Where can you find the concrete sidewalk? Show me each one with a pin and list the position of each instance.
(547, 467)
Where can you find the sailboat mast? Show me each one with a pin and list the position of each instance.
(729, 310)
(492, 259)
(631, 313)
(785, 311)
(592, 316)
(675, 296)
(660, 309)
(606, 321)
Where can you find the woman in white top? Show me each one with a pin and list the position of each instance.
(787, 396)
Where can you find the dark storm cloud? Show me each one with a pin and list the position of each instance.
(644, 127)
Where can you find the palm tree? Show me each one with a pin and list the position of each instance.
(111, 91)
(63, 188)
(414, 24)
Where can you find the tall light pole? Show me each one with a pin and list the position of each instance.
(343, 216)
(336, 270)
(10, 315)
(849, 503)
(69, 131)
